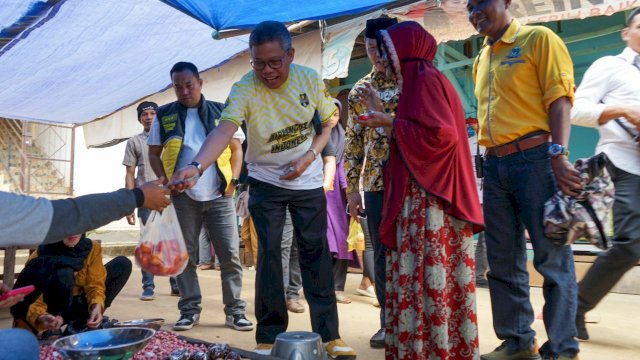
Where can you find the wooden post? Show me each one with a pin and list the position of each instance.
(9, 266)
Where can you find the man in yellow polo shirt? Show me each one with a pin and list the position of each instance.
(524, 86)
(287, 110)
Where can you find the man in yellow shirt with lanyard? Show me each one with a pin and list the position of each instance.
(524, 86)
(287, 110)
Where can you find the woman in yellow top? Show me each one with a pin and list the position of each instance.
(73, 286)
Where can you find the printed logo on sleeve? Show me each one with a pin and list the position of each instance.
(169, 122)
(304, 100)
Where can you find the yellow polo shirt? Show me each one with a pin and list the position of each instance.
(517, 79)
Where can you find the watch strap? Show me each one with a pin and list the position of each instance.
(198, 166)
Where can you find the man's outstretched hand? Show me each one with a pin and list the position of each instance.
(184, 179)
(155, 195)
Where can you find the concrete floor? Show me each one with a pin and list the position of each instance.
(615, 336)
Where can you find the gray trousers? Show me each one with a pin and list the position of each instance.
(219, 219)
(611, 265)
(206, 255)
(482, 265)
(290, 261)
(340, 268)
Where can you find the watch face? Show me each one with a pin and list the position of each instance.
(556, 149)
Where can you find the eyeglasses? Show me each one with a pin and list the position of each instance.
(273, 63)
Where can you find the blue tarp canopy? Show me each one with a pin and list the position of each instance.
(240, 14)
(73, 61)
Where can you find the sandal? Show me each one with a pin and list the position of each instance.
(342, 298)
(368, 292)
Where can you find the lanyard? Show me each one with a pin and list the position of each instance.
(490, 83)
(636, 137)
(489, 96)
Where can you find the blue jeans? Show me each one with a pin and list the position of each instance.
(207, 255)
(18, 344)
(515, 190)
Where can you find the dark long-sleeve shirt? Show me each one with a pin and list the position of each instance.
(29, 221)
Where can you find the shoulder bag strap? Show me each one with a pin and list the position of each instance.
(618, 121)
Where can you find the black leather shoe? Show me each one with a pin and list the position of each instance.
(582, 328)
(377, 340)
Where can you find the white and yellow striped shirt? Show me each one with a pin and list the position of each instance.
(279, 124)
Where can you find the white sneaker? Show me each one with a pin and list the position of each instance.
(186, 322)
(239, 322)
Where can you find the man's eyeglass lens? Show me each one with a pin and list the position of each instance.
(260, 65)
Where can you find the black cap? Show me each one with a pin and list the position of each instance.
(146, 105)
(375, 25)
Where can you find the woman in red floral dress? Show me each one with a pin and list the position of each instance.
(431, 207)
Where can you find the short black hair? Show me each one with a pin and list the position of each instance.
(375, 25)
(633, 14)
(268, 31)
(182, 66)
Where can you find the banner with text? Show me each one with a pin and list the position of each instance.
(448, 19)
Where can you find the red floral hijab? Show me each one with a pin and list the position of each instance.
(429, 141)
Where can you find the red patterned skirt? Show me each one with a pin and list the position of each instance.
(430, 299)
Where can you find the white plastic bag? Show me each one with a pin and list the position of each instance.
(162, 250)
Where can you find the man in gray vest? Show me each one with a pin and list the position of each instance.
(177, 133)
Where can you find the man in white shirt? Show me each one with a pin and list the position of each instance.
(178, 132)
(609, 98)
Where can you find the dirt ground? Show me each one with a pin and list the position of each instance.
(615, 336)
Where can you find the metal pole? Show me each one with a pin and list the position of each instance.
(23, 162)
(73, 155)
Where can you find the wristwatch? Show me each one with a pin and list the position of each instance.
(556, 150)
(198, 166)
(235, 182)
(314, 152)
